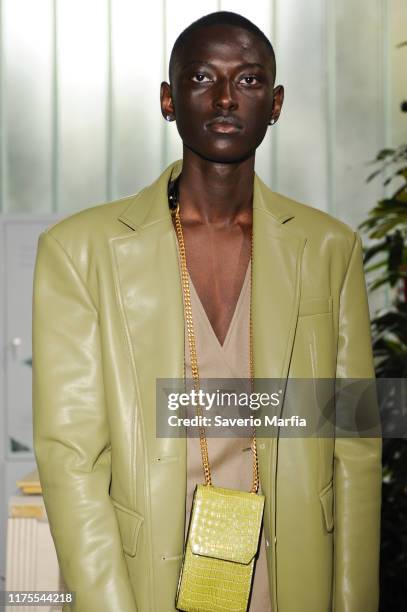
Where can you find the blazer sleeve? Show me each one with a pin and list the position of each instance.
(71, 435)
(357, 460)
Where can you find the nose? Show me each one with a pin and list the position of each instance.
(225, 96)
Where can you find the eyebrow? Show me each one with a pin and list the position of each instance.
(246, 65)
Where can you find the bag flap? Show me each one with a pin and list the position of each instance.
(225, 523)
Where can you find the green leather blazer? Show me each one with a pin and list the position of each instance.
(108, 320)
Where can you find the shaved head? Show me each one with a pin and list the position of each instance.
(219, 18)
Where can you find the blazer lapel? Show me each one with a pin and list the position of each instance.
(277, 256)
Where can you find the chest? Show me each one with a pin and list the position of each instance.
(217, 262)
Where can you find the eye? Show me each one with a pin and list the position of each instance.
(250, 78)
(200, 77)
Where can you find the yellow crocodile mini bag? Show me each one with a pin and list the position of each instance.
(222, 542)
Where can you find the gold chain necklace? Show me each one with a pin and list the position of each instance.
(192, 348)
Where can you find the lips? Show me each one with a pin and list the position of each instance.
(224, 125)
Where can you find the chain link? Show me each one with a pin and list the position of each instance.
(194, 359)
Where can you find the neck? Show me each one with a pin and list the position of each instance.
(215, 193)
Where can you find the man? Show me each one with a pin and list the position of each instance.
(108, 321)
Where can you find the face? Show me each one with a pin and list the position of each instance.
(222, 96)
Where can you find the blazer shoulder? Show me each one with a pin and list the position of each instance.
(317, 225)
(84, 238)
(309, 215)
(97, 222)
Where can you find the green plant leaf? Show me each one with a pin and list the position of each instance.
(370, 252)
(373, 175)
(402, 172)
(376, 266)
(386, 227)
(384, 153)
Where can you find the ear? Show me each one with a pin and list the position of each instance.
(278, 98)
(167, 106)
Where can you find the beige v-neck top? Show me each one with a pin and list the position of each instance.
(230, 458)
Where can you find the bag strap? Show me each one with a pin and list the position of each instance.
(174, 207)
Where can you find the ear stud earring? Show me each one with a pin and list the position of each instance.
(168, 117)
(272, 122)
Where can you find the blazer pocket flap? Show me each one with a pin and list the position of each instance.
(312, 306)
(129, 522)
(327, 499)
